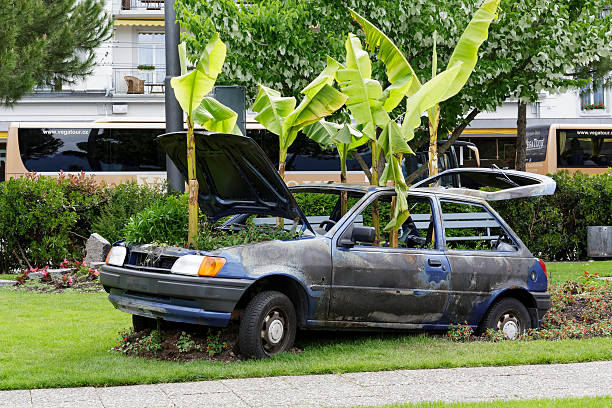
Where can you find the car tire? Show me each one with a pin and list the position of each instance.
(508, 315)
(141, 323)
(267, 326)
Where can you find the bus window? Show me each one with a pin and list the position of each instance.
(584, 148)
(91, 149)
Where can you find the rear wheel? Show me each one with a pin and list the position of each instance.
(510, 316)
(267, 326)
(141, 323)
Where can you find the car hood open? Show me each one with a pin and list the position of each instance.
(234, 175)
(489, 184)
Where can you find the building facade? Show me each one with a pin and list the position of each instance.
(128, 82)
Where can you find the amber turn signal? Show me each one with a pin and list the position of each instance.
(210, 266)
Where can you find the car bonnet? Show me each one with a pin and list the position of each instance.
(234, 175)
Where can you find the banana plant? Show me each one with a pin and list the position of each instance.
(345, 138)
(421, 97)
(280, 115)
(403, 78)
(370, 107)
(190, 90)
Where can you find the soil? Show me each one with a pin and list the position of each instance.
(224, 343)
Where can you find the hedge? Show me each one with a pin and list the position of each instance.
(555, 227)
(44, 220)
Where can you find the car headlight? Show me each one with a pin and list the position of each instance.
(116, 256)
(198, 265)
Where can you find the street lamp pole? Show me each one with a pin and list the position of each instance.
(174, 114)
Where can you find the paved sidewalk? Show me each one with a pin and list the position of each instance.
(377, 388)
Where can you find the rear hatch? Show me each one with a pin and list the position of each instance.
(489, 184)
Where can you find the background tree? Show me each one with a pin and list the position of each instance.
(533, 46)
(48, 43)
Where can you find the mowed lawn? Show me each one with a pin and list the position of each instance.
(563, 271)
(63, 340)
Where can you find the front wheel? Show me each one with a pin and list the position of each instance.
(510, 316)
(267, 326)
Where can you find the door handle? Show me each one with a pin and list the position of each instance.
(434, 262)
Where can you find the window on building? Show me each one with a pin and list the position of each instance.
(592, 96)
(151, 51)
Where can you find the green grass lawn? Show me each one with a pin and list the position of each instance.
(62, 340)
(591, 402)
(5, 276)
(563, 271)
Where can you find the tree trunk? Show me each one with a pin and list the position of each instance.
(521, 137)
(193, 186)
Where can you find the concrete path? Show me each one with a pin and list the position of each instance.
(377, 388)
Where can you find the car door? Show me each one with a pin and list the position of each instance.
(379, 285)
(484, 256)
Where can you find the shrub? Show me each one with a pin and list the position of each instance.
(555, 227)
(124, 201)
(36, 220)
(164, 222)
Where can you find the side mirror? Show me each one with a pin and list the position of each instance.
(363, 234)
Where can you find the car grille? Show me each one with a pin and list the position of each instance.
(152, 262)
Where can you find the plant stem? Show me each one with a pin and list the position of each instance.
(282, 162)
(193, 185)
(434, 119)
(375, 213)
(343, 194)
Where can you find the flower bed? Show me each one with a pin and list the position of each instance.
(579, 310)
(74, 275)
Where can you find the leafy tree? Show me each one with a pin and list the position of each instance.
(533, 46)
(48, 43)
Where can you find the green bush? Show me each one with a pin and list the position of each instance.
(164, 222)
(555, 227)
(36, 220)
(124, 201)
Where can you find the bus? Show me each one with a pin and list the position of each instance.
(586, 148)
(120, 150)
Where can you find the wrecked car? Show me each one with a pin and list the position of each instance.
(457, 260)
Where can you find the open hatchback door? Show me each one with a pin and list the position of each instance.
(234, 174)
(489, 184)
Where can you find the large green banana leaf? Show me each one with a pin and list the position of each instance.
(190, 88)
(331, 134)
(428, 96)
(280, 116)
(216, 117)
(272, 108)
(403, 79)
(364, 93)
(466, 50)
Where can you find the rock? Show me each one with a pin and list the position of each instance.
(96, 248)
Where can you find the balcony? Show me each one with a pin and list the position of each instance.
(138, 7)
(139, 82)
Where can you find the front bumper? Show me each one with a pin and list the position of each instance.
(187, 299)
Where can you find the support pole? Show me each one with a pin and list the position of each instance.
(174, 114)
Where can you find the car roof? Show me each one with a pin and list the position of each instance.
(337, 187)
